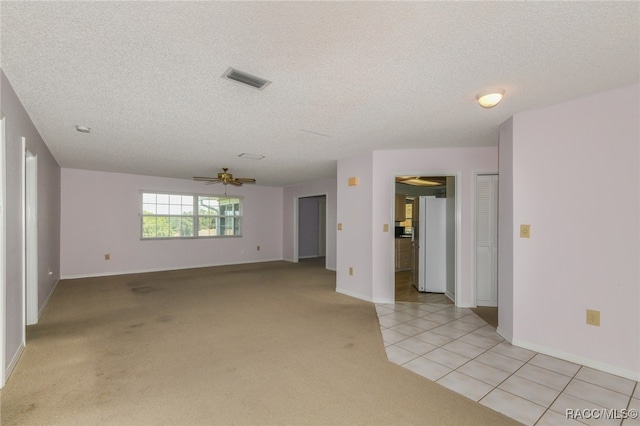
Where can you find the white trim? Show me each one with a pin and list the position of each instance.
(31, 248)
(452, 298)
(144, 271)
(23, 248)
(3, 257)
(48, 299)
(14, 362)
(361, 296)
(577, 359)
(505, 334)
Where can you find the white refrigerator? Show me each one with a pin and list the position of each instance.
(430, 240)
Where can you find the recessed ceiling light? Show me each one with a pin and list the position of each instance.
(490, 99)
(251, 156)
(83, 129)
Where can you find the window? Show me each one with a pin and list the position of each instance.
(408, 222)
(180, 215)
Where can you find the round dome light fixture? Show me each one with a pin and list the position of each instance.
(83, 129)
(491, 99)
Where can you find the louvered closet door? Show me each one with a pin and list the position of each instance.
(487, 240)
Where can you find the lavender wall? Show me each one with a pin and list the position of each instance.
(291, 194)
(18, 124)
(100, 215)
(462, 162)
(576, 181)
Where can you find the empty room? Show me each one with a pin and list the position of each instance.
(225, 212)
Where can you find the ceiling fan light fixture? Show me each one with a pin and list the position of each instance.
(491, 99)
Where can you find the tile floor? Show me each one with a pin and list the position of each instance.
(457, 349)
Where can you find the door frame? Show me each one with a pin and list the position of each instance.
(3, 257)
(30, 234)
(457, 229)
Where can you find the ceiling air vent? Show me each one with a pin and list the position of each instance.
(244, 78)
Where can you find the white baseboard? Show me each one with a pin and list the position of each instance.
(13, 363)
(505, 334)
(354, 294)
(451, 296)
(48, 299)
(144, 271)
(577, 359)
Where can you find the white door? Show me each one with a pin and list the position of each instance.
(486, 250)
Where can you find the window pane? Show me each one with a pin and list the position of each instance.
(175, 210)
(163, 198)
(149, 227)
(149, 209)
(148, 198)
(175, 199)
(163, 229)
(162, 209)
(207, 226)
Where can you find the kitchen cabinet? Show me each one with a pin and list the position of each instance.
(401, 208)
(403, 253)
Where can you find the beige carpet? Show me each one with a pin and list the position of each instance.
(269, 343)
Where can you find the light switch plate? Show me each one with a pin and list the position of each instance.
(339, 227)
(525, 231)
(385, 227)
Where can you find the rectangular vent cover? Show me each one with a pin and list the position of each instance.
(244, 78)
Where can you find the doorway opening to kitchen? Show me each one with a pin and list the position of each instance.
(426, 238)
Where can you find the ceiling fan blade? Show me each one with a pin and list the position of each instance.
(246, 180)
(204, 178)
(235, 182)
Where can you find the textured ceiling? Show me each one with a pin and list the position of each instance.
(347, 77)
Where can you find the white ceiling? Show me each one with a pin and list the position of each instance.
(347, 77)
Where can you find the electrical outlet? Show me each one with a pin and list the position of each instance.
(385, 227)
(258, 248)
(339, 227)
(350, 270)
(525, 231)
(593, 317)
(107, 256)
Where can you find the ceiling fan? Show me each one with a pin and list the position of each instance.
(225, 178)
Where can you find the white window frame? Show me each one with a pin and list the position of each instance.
(237, 218)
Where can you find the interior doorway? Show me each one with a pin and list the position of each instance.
(312, 227)
(408, 190)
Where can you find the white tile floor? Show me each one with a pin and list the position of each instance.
(457, 349)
